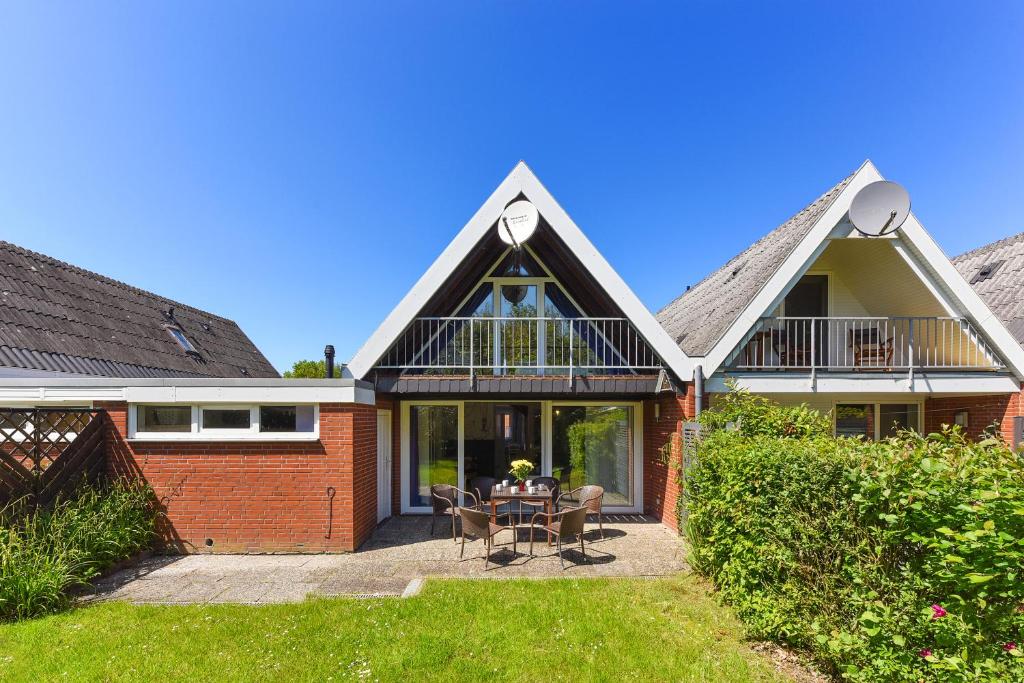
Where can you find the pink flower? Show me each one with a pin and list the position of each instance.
(1010, 647)
(938, 612)
(925, 653)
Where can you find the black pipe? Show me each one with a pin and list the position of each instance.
(698, 390)
(329, 361)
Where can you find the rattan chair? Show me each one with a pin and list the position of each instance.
(482, 487)
(444, 500)
(565, 524)
(478, 524)
(589, 497)
(552, 485)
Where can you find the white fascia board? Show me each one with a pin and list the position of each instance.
(791, 269)
(520, 180)
(922, 383)
(964, 297)
(231, 390)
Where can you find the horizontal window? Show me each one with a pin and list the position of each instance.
(165, 418)
(286, 418)
(227, 418)
(223, 422)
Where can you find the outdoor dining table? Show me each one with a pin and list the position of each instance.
(505, 495)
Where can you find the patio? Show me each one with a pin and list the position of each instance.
(393, 562)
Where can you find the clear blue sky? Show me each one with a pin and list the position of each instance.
(297, 166)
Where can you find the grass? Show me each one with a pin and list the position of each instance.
(502, 630)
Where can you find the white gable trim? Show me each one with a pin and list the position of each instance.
(914, 243)
(520, 180)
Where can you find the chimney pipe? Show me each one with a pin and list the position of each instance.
(329, 358)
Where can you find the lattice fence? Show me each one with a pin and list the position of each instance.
(691, 437)
(47, 451)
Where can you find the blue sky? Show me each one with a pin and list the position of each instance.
(296, 167)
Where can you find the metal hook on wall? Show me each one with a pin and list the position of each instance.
(330, 510)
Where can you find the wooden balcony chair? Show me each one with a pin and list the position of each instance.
(478, 524)
(444, 501)
(869, 349)
(589, 497)
(565, 524)
(793, 351)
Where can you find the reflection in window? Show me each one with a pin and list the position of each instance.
(227, 418)
(897, 417)
(852, 420)
(594, 445)
(164, 418)
(286, 418)
(433, 450)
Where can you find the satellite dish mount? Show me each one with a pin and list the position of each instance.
(516, 225)
(880, 208)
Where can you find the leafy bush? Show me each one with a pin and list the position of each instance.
(896, 560)
(45, 554)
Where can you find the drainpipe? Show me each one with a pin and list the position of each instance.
(329, 361)
(698, 390)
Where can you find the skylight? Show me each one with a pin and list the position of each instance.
(180, 337)
(986, 271)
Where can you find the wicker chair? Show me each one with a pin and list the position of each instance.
(444, 500)
(565, 524)
(589, 497)
(478, 524)
(482, 487)
(552, 485)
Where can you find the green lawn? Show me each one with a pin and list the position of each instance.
(456, 630)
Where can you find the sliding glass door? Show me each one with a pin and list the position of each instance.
(594, 445)
(454, 442)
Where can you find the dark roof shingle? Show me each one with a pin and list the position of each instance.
(698, 318)
(58, 317)
(1003, 290)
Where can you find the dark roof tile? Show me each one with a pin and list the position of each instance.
(1003, 291)
(55, 316)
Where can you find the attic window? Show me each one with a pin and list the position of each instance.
(986, 271)
(182, 340)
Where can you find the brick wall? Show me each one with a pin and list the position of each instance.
(982, 411)
(661, 490)
(257, 496)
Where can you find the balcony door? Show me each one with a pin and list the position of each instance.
(807, 299)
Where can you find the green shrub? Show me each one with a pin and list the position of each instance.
(45, 554)
(842, 547)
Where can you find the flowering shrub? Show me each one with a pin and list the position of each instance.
(896, 560)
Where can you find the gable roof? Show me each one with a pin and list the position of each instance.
(699, 317)
(520, 182)
(1003, 289)
(793, 247)
(58, 318)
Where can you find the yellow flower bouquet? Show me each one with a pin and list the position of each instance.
(521, 469)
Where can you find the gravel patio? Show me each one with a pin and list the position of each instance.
(393, 562)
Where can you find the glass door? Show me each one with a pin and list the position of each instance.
(594, 445)
(433, 450)
(498, 433)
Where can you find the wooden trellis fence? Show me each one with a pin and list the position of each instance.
(47, 451)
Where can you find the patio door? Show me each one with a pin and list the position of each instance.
(383, 465)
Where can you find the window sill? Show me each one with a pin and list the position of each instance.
(217, 438)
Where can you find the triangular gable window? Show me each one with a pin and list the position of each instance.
(497, 330)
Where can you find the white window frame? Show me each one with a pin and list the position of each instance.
(546, 445)
(876, 407)
(197, 433)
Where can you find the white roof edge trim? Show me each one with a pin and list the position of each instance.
(520, 180)
(913, 235)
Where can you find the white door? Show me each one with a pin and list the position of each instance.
(383, 465)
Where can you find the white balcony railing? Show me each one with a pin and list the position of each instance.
(879, 344)
(521, 346)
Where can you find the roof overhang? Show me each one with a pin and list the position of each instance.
(73, 390)
(521, 181)
(912, 242)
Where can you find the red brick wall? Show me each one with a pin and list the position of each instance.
(260, 496)
(661, 490)
(982, 411)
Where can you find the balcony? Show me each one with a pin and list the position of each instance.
(521, 346)
(888, 344)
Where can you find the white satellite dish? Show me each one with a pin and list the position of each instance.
(517, 222)
(880, 208)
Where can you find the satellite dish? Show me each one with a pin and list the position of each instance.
(517, 222)
(880, 208)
